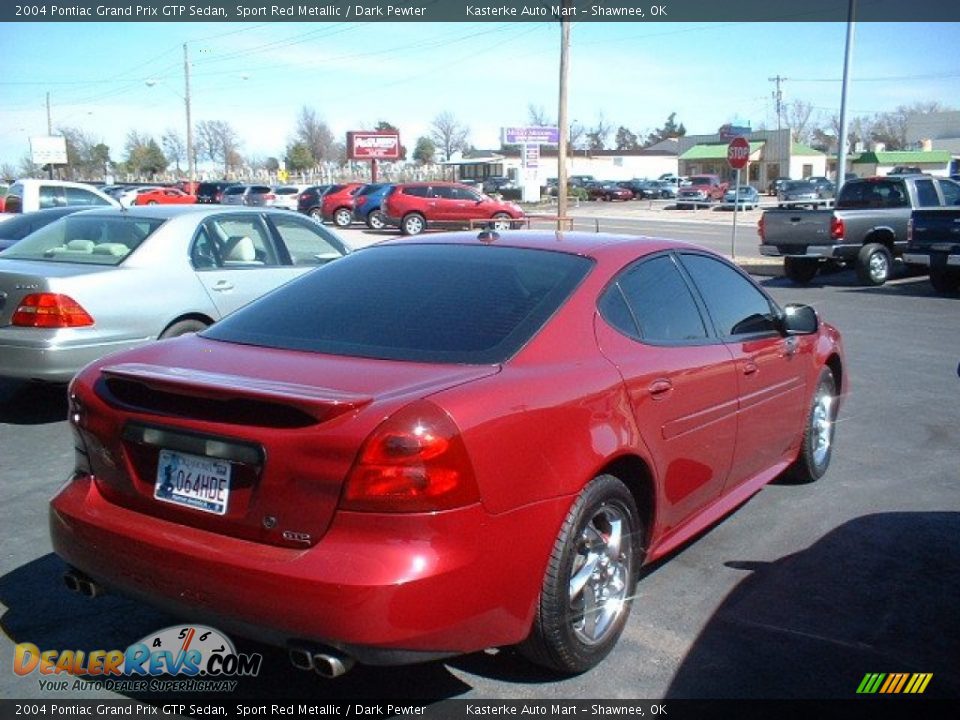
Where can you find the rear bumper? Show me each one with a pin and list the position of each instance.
(384, 589)
(842, 252)
(931, 259)
(48, 360)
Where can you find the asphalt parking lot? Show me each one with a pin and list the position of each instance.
(797, 594)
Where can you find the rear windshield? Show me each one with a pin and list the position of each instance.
(236, 190)
(87, 239)
(423, 303)
(873, 194)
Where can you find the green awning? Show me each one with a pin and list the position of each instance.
(801, 149)
(715, 151)
(903, 157)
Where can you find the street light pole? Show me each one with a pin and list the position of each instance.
(842, 140)
(562, 120)
(191, 162)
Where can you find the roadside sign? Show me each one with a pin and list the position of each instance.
(48, 150)
(373, 145)
(738, 153)
(534, 135)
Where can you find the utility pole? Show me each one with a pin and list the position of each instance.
(49, 133)
(778, 98)
(191, 161)
(562, 118)
(842, 140)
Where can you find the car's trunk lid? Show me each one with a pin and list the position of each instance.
(19, 278)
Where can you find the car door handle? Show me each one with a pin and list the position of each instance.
(659, 389)
(750, 367)
(223, 286)
(789, 347)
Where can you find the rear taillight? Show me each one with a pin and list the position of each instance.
(50, 310)
(269, 196)
(362, 200)
(415, 461)
(836, 228)
(760, 228)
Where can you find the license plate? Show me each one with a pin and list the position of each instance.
(198, 482)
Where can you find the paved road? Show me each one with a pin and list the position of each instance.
(799, 593)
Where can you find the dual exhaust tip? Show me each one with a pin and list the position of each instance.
(326, 664)
(80, 583)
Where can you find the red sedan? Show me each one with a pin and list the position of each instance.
(164, 196)
(337, 204)
(437, 446)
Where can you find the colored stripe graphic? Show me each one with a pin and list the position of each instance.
(894, 683)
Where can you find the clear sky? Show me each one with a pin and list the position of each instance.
(109, 78)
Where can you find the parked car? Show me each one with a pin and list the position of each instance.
(19, 226)
(32, 194)
(105, 280)
(744, 197)
(933, 242)
(776, 185)
(212, 192)
(825, 188)
(128, 195)
(310, 201)
(607, 190)
(579, 180)
(249, 195)
(367, 202)
(287, 196)
(434, 448)
(164, 196)
(700, 190)
(669, 188)
(496, 183)
(798, 193)
(867, 227)
(415, 207)
(337, 204)
(643, 189)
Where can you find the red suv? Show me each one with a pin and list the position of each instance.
(415, 206)
(338, 204)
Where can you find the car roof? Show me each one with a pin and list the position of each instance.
(586, 244)
(164, 212)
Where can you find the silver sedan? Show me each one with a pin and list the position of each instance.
(104, 280)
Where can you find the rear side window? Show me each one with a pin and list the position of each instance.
(79, 196)
(873, 194)
(951, 192)
(416, 190)
(423, 303)
(14, 199)
(51, 196)
(927, 194)
(652, 302)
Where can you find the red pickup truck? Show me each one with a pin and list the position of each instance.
(701, 190)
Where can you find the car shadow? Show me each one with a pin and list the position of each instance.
(26, 403)
(875, 595)
(40, 610)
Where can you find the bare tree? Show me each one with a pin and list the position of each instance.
(537, 115)
(576, 135)
(174, 147)
(218, 142)
(449, 134)
(315, 134)
(8, 172)
(597, 137)
(797, 115)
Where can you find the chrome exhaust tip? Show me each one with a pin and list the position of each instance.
(301, 659)
(331, 666)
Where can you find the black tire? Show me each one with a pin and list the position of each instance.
(874, 264)
(413, 224)
(183, 327)
(151, 202)
(501, 222)
(817, 445)
(566, 636)
(375, 220)
(944, 282)
(800, 270)
(342, 217)
(316, 213)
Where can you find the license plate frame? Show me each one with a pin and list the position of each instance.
(193, 481)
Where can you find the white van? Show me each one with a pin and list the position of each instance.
(35, 194)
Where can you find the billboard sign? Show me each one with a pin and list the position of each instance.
(533, 135)
(48, 150)
(370, 145)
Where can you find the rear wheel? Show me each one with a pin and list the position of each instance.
(316, 213)
(342, 217)
(183, 327)
(945, 282)
(151, 202)
(874, 264)
(800, 270)
(817, 444)
(590, 580)
(375, 220)
(413, 224)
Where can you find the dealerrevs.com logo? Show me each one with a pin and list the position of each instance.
(179, 658)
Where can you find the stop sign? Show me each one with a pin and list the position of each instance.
(738, 153)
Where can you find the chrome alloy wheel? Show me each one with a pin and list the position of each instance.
(599, 576)
(821, 427)
(879, 267)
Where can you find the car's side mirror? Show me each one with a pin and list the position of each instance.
(799, 319)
